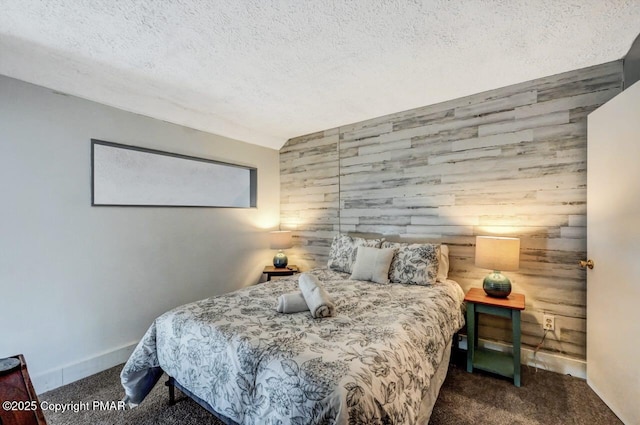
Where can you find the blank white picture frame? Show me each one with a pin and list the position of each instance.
(124, 175)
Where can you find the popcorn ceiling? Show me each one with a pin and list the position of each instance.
(264, 71)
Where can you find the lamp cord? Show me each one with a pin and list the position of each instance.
(535, 351)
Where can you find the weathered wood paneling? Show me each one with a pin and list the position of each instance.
(510, 161)
(309, 195)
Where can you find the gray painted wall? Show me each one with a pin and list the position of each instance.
(78, 282)
(511, 161)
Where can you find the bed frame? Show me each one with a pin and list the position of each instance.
(172, 384)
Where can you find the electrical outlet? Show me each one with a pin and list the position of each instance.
(549, 322)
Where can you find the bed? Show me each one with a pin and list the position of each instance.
(381, 359)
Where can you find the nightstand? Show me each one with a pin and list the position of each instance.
(283, 271)
(489, 360)
(16, 387)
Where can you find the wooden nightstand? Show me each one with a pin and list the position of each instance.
(284, 271)
(16, 387)
(489, 360)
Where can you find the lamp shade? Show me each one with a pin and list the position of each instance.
(497, 253)
(280, 239)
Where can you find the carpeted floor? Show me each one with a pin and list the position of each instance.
(545, 398)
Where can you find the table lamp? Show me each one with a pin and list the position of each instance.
(280, 240)
(497, 254)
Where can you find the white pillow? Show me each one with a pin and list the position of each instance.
(443, 264)
(372, 264)
(343, 251)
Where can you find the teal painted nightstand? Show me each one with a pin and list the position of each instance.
(489, 360)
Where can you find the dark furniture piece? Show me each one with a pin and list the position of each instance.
(489, 360)
(284, 271)
(18, 400)
(172, 384)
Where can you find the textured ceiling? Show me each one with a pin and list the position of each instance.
(263, 71)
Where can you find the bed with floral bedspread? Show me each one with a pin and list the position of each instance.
(371, 363)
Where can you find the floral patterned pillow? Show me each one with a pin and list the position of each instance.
(414, 264)
(344, 249)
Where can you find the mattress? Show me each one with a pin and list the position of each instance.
(374, 362)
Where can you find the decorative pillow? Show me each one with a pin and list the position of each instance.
(443, 264)
(344, 249)
(414, 264)
(373, 264)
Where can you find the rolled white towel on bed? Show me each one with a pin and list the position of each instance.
(292, 303)
(318, 300)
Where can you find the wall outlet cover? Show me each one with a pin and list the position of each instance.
(549, 322)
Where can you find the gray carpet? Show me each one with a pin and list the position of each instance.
(545, 398)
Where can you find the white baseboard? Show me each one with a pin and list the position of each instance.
(543, 360)
(67, 374)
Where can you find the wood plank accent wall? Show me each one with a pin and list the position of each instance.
(510, 161)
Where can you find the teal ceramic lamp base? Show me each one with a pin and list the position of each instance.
(497, 285)
(280, 260)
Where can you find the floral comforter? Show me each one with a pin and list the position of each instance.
(370, 364)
